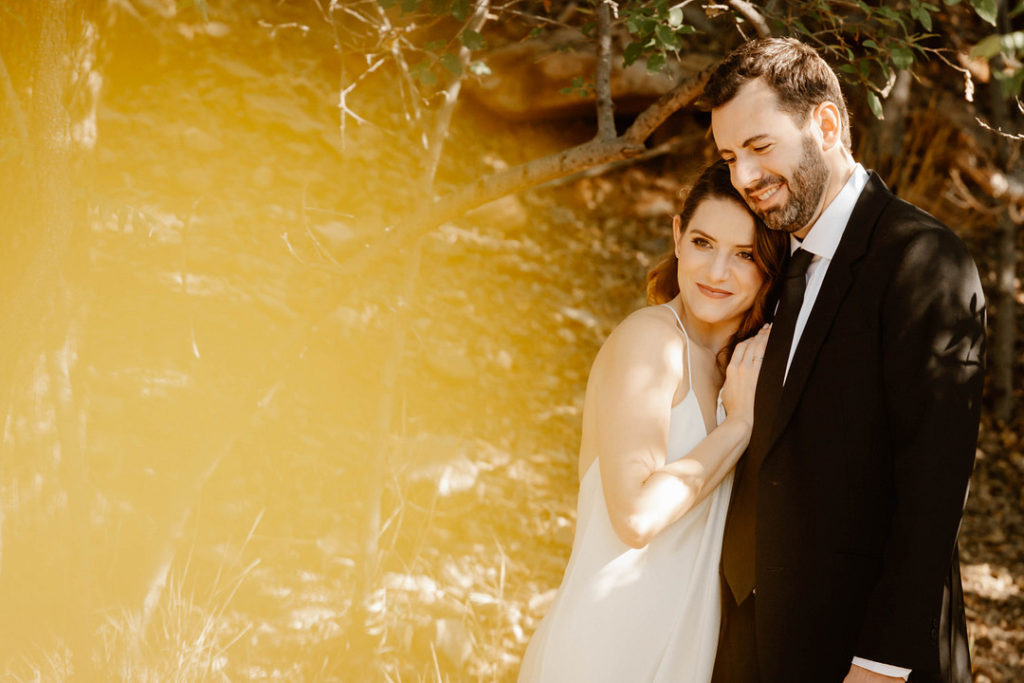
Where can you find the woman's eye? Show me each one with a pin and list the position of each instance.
(701, 242)
(746, 255)
(762, 149)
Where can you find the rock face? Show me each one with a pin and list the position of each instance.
(527, 78)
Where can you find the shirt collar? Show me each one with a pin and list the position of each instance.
(823, 239)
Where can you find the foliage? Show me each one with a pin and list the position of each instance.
(868, 44)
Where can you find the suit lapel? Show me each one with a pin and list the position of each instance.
(873, 199)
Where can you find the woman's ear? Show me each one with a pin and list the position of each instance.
(677, 232)
(830, 123)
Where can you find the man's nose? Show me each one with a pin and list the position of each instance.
(746, 172)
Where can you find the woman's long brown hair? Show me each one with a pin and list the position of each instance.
(770, 249)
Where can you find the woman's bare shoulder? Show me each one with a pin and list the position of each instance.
(644, 336)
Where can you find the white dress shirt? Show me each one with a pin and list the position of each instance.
(822, 241)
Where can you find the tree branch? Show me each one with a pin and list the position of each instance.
(750, 13)
(602, 74)
(628, 145)
(669, 103)
(451, 96)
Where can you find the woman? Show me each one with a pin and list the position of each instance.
(640, 597)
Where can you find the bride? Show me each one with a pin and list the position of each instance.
(667, 414)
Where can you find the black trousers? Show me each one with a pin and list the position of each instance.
(736, 661)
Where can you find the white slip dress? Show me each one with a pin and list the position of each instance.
(632, 615)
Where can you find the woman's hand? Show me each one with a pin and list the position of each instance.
(741, 377)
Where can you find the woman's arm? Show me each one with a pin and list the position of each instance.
(630, 397)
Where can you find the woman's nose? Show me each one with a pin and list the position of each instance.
(719, 269)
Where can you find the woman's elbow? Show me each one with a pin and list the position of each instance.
(634, 530)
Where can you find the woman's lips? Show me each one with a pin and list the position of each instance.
(713, 292)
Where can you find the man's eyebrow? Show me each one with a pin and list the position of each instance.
(746, 143)
(753, 138)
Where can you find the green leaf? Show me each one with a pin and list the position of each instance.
(479, 68)
(988, 48)
(536, 32)
(460, 9)
(871, 44)
(452, 63)
(668, 38)
(902, 57)
(632, 53)
(387, 4)
(926, 20)
(655, 62)
(950, 3)
(435, 46)
(1012, 83)
(675, 17)
(986, 9)
(409, 6)
(577, 81)
(876, 105)
(421, 72)
(473, 40)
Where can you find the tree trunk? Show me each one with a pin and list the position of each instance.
(1004, 334)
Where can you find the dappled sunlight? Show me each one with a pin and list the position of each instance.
(285, 469)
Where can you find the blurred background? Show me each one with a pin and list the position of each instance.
(273, 411)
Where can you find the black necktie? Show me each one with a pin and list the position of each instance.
(740, 529)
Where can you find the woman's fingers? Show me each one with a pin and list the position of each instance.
(758, 343)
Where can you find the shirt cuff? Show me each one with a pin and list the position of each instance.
(884, 669)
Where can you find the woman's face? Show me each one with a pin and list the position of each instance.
(718, 280)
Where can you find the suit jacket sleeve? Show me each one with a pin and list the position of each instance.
(932, 337)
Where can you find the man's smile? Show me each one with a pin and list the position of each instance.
(763, 195)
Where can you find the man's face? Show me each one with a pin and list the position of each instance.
(775, 164)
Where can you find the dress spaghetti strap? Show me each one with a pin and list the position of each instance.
(689, 367)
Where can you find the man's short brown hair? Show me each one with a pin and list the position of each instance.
(796, 73)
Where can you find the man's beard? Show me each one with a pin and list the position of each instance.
(805, 191)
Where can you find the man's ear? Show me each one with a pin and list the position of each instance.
(830, 123)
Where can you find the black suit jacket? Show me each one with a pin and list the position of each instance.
(862, 476)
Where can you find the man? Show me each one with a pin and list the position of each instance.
(839, 557)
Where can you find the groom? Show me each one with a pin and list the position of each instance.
(840, 556)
